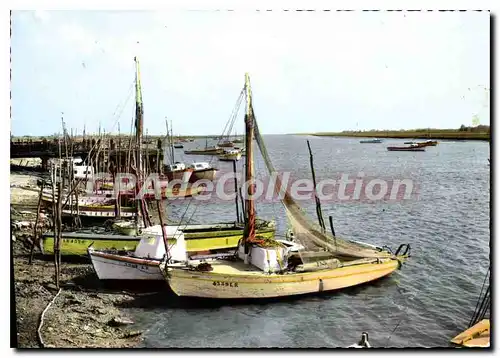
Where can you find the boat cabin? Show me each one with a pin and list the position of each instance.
(81, 171)
(232, 151)
(200, 166)
(176, 167)
(152, 245)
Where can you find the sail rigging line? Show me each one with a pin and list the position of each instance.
(232, 117)
(482, 304)
(235, 114)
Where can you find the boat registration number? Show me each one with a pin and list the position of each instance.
(74, 241)
(227, 284)
(136, 266)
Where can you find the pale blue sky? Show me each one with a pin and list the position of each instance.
(310, 72)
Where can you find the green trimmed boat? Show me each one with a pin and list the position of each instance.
(199, 238)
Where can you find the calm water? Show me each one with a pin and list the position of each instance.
(429, 301)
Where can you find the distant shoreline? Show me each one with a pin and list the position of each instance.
(452, 134)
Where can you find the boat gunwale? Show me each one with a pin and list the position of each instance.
(130, 259)
(288, 277)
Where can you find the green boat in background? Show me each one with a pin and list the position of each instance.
(200, 238)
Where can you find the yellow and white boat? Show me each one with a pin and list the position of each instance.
(235, 279)
(264, 268)
(230, 155)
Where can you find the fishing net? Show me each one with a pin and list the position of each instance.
(317, 245)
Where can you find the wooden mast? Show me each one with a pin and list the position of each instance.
(249, 234)
(138, 139)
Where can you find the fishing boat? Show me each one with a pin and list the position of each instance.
(199, 237)
(265, 268)
(226, 144)
(144, 262)
(428, 143)
(103, 206)
(410, 148)
(215, 150)
(203, 170)
(368, 141)
(191, 173)
(91, 206)
(178, 145)
(230, 155)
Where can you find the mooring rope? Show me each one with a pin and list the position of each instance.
(39, 331)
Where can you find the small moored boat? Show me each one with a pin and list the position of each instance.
(230, 155)
(368, 141)
(411, 148)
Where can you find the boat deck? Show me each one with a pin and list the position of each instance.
(225, 267)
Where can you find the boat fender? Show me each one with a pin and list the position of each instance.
(320, 289)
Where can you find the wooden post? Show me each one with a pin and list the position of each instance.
(236, 192)
(318, 203)
(35, 230)
(240, 192)
(333, 231)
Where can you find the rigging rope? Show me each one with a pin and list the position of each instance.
(480, 303)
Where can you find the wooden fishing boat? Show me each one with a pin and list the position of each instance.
(369, 141)
(92, 206)
(144, 262)
(230, 155)
(207, 151)
(265, 268)
(411, 148)
(199, 237)
(226, 144)
(203, 170)
(192, 173)
(104, 207)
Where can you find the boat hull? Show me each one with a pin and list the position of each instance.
(405, 149)
(229, 157)
(199, 241)
(204, 151)
(117, 267)
(204, 174)
(232, 282)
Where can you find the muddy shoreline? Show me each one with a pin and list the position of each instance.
(83, 313)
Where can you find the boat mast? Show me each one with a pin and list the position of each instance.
(249, 234)
(139, 112)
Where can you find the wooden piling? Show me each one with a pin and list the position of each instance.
(318, 203)
(35, 230)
